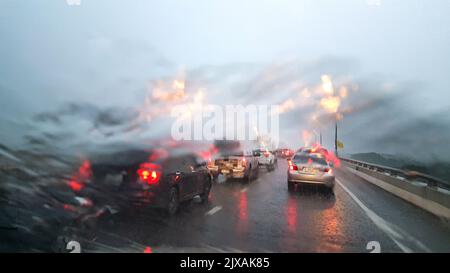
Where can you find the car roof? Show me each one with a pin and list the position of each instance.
(305, 149)
(132, 155)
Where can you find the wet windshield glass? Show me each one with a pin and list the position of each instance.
(189, 126)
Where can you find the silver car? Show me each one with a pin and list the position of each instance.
(266, 159)
(310, 169)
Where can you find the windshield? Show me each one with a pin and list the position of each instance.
(189, 126)
(309, 160)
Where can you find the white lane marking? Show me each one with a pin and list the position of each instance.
(392, 231)
(244, 189)
(213, 210)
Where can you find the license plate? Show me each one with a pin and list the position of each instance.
(309, 170)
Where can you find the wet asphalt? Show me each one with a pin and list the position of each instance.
(263, 216)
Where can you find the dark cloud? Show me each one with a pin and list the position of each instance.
(384, 115)
(35, 140)
(106, 120)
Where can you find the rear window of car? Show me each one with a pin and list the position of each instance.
(175, 164)
(226, 145)
(234, 152)
(304, 159)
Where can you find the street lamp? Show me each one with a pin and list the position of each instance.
(336, 138)
(337, 143)
(317, 124)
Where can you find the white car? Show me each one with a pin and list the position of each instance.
(233, 161)
(266, 159)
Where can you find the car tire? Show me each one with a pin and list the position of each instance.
(174, 202)
(206, 190)
(248, 177)
(291, 186)
(255, 173)
(330, 190)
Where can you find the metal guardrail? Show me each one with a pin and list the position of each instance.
(401, 174)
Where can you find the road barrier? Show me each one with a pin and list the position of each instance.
(425, 191)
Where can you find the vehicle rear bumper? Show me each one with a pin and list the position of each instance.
(327, 180)
(234, 173)
(228, 172)
(265, 162)
(213, 168)
(141, 198)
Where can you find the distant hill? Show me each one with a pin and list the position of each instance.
(437, 169)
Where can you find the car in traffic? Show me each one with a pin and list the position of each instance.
(154, 178)
(313, 150)
(234, 161)
(266, 159)
(310, 168)
(318, 149)
(284, 153)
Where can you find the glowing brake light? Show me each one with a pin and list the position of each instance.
(329, 171)
(148, 174)
(148, 250)
(76, 186)
(292, 167)
(243, 161)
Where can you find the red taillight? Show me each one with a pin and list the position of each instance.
(328, 170)
(292, 167)
(266, 154)
(244, 161)
(149, 176)
(145, 174)
(148, 250)
(76, 186)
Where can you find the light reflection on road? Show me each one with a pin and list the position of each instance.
(330, 224)
(242, 225)
(291, 215)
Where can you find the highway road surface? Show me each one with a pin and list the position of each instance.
(263, 216)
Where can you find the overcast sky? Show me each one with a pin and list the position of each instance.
(106, 51)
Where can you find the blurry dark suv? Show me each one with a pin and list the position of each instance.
(158, 178)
